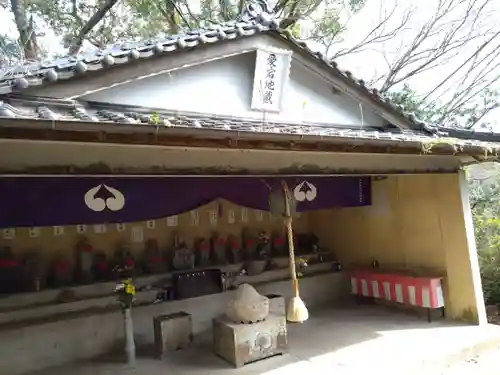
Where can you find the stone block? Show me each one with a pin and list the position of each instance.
(276, 304)
(240, 344)
(172, 332)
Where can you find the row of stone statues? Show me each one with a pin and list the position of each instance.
(34, 273)
(222, 250)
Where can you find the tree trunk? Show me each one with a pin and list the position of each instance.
(27, 37)
(87, 28)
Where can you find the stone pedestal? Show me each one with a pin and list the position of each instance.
(276, 304)
(172, 332)
(240, 344)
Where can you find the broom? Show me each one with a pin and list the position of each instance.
(297, 310)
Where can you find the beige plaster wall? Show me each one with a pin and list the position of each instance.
(416, 223)
(48, 244)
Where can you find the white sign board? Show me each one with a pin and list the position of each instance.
(195, 218)
(231, 217)
(272, 68)
(244, 214)
(100, 228)
(120, 227)
(9, 233)
(34, 232)
(214, 216)
(137, 234)
(81, 228)
(172, 221)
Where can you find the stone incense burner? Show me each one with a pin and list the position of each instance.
(248, 306)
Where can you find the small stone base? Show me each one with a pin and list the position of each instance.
(172, 332)
(276, 304)
(240, 344)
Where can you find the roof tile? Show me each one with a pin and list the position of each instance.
(59, 110)
(256, 19)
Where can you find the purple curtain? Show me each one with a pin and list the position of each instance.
(48, 201)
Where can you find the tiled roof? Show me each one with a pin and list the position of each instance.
(55, 110)
(36, 73)
(253, 21)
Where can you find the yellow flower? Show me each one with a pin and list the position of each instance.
(129, 288)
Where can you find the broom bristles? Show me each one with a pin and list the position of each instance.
(297, 311)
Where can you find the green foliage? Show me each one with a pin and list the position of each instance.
(329, 25)
(154, 119)
(471, 114)
(295, 30)
(409, 99)
(67, 18)
(453, 113)
(485, 199)
(356, 5)
(131, 19)
(328, 28)
(10, 51)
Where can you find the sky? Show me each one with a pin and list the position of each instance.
(369, 63)
(372, 63)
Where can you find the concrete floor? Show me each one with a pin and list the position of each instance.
(346, 341)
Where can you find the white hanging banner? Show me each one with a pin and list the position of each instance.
(100, 228)
(172, 221)
(195, 218)
(58, 231)
(244, 214)
(380, 200)
(272, 69)
(81, 228)
(120, 227)
(34, 232)
(231, 217)
(259, 215)
(214, 217)
(9, 233)
(137, 234)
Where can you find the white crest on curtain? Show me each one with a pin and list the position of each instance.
(114, 203)
(305, 191)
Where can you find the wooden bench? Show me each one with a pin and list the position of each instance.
(425, 292)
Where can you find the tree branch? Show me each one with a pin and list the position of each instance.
(469, 59)
(97, 17)
(377, 34)
(451, 38)
(295, 14)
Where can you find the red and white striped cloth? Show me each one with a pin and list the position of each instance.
(417, 291)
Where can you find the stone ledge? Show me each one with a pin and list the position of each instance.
(104, 302)
(103, 289)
